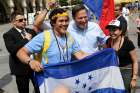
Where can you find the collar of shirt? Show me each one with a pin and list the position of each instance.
(78, 28)
(19, 30)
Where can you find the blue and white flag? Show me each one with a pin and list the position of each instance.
(98, 73)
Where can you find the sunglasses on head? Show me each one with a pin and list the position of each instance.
(21, 20)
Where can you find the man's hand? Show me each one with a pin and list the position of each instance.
(28, 36)
(35, 65)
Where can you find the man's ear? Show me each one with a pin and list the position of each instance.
(13, 22)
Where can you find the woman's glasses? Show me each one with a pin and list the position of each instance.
(113, 29)
(21, 20)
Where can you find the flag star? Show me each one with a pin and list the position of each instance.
(84, 85)
(89, 88)
(90, 77)
(77, 81)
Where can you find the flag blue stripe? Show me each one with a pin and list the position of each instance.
(90, 63)
(109, 90)
(95, 6)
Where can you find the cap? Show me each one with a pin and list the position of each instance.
(113, 23)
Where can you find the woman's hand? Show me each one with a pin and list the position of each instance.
(133, 83)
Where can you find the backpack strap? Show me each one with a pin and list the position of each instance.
(70, 37)
(47, 40)
(46, 45)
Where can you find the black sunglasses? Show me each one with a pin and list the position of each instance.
(21, 20)
(113, 29)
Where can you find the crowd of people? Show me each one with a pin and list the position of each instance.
(67, 41)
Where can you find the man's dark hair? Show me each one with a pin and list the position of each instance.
(120, 6)
(14, 14)
(55, 12)
(76, 9)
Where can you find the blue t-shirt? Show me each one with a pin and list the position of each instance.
(57, 51)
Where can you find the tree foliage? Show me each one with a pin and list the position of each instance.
(63, 2)
(72, 2)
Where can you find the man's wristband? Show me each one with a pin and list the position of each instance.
(28, 61)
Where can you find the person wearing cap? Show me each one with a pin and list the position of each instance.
(126, 52)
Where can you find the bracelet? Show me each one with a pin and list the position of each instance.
(134, 79)
(28, 61)
(135, 74)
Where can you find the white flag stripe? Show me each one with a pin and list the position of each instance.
(108, 77)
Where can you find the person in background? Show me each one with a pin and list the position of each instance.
(15, 39)
(138, 30)
(36, 14)
(126, 52)
(41, 21)
(1, 90)
(126, 13)
(62, 44)
(88, 34)
(119, 16)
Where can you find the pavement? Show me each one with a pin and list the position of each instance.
(7, 82)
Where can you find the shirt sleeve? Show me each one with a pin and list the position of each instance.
(130, 45)
(36, 44)
(75, 47)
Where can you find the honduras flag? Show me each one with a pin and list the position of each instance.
(98, 73)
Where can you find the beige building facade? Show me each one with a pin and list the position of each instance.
(29, 6)
(26, 6)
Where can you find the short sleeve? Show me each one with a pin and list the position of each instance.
(75, 47)
(129, 44)
(35, 45)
